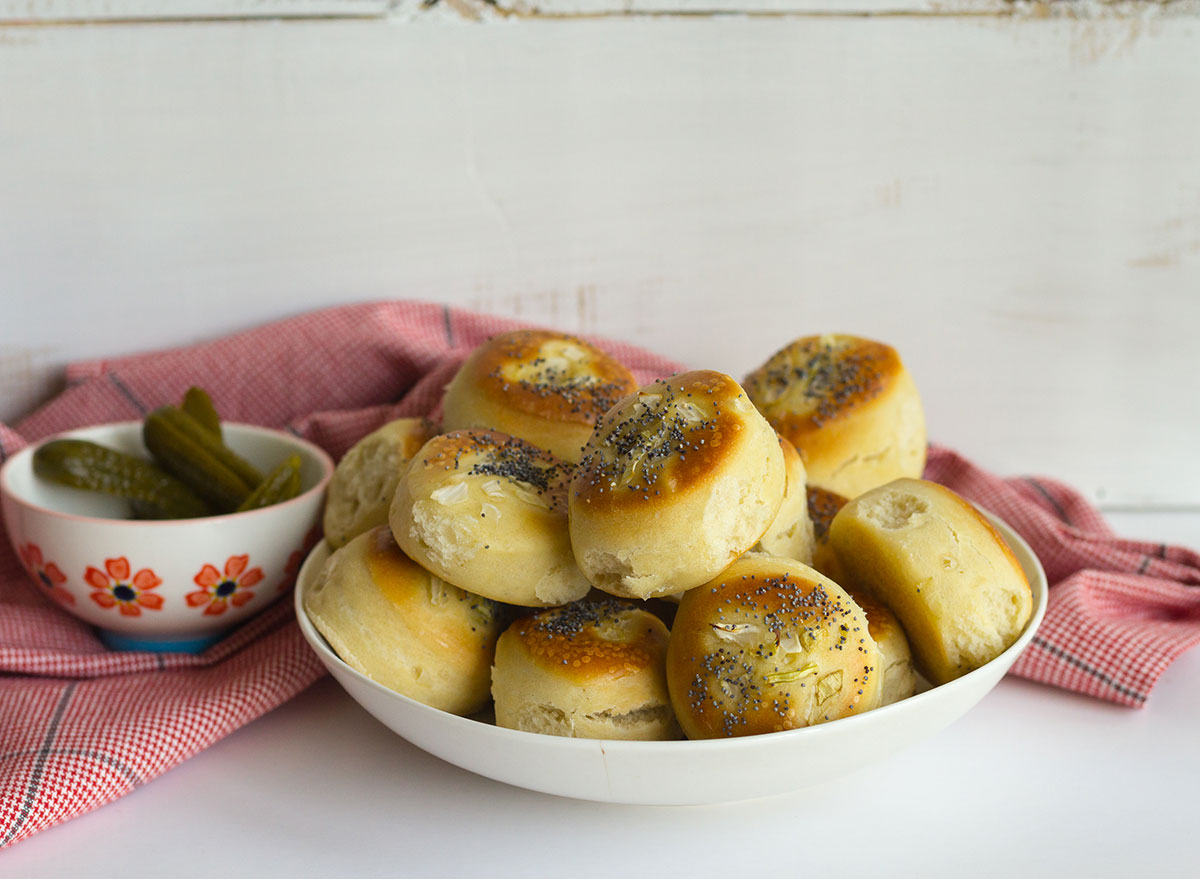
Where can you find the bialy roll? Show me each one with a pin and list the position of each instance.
(592, 669)
(545, 387)
(360, 492)
(487, 512)
(790, 535)
(941, 567)
(676, 482)
(393, 621)
(769, 645)
(849, 405)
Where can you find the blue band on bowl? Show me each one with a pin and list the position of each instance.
(121, 641)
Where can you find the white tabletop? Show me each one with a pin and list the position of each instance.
(1033, 780)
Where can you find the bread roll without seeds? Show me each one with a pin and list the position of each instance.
(791, 534)
(677, 481)
(402, 627)
(545, 387)
(938, 564)
(899, 679)
(899, 676)
(849, 406)
(592, 669)
(360, 492)
(487, 512)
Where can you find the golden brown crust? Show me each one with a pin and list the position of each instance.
(880, 621)
(545, 387)
(769, 645)
(676, 482)
(416, 439)
(849, 405)
(592, 669)
(396, 575)
(549, 375)
(403, 627)
(667, 439)
(591, 640)
(818, 380)
(823, 505)
(492, 453)
(899, 677)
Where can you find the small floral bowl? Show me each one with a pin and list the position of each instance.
(173, 585)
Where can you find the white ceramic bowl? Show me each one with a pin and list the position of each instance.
(161, 585)
(675, 773)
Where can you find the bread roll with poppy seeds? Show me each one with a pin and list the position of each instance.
(769, 645)
(850, 407)
(487, 512)
(545, 387)
(393, 621)
(676, 482)
(938, 564)
(592, 669)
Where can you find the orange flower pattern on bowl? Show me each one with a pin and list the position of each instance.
(114, 587)
(218, 591)
(47, 574)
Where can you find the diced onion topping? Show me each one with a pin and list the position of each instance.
(449, 495)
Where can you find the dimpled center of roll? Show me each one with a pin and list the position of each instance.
(484, 453)
(896, 510)
(663, 423)
(566, 371)
(822, 377)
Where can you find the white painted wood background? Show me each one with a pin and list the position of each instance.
(1014, 202)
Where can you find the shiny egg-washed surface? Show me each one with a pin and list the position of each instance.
(484, 453)
(817, 379)
(667, 438)
(551, 375)
(769, 645)
(589, 639)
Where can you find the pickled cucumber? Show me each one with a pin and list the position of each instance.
(187, 426)
(188, 451)
(281, 484)
(193, 473)
(87, 465)
(198, 404)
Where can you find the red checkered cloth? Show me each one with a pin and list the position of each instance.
(81, 725)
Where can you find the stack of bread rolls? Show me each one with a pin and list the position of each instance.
(521, 555)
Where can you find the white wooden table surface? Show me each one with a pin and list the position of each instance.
(1014, 202)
